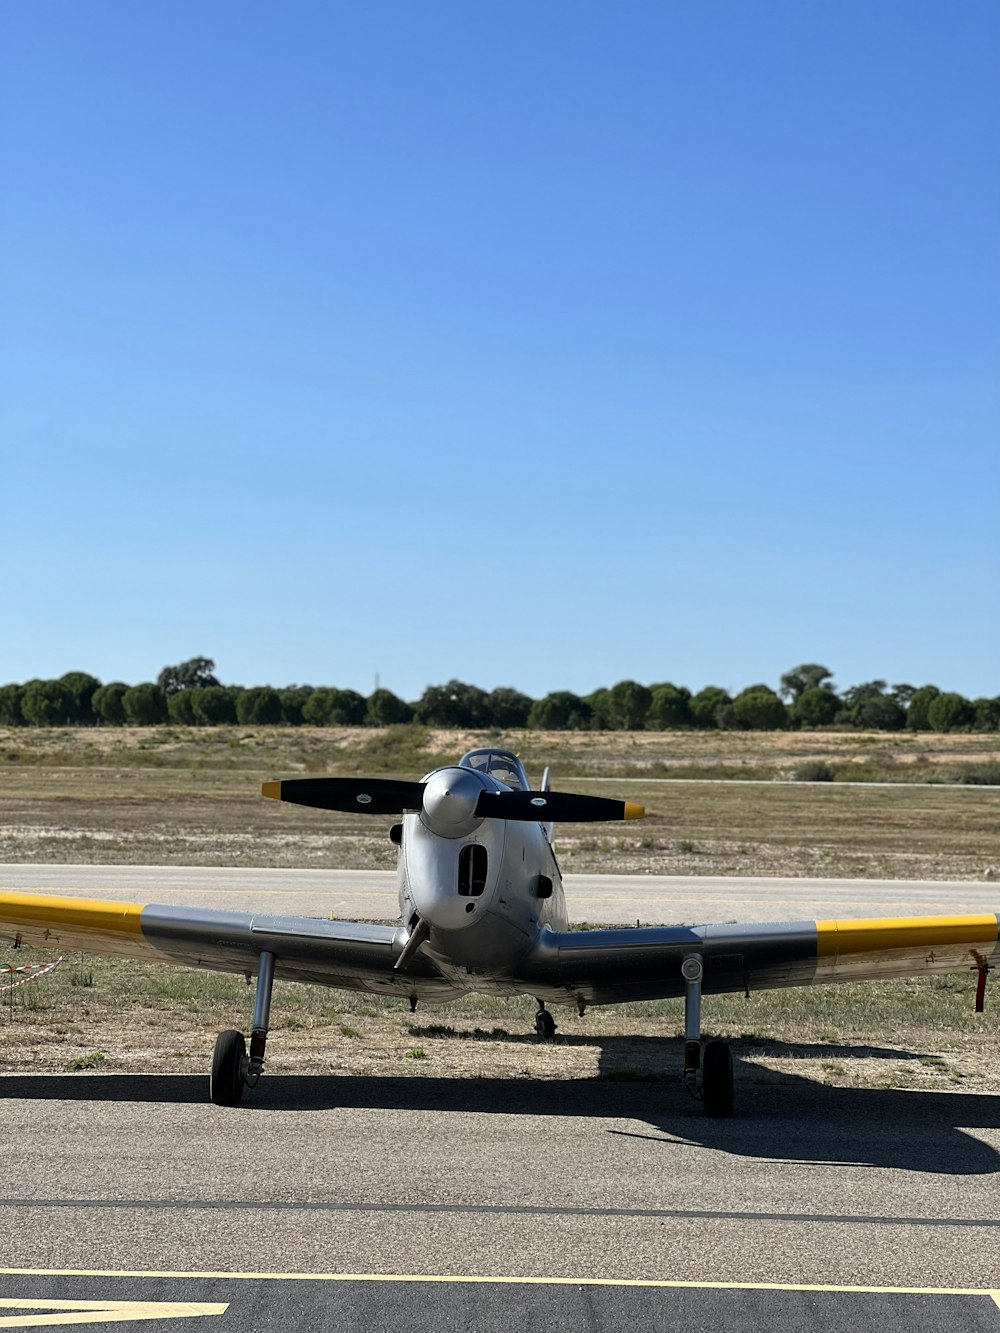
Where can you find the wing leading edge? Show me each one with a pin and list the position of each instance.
(613, 966)
(345, 954)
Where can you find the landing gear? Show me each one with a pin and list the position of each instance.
(545, 1024)
(712, 1080)
(226, 1087)
(232, 1068)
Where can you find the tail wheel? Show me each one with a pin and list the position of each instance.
(228, 1068)
(717, 1079)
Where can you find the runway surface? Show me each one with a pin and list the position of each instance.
(604, 899)
(471, 1178)
(812, 1188)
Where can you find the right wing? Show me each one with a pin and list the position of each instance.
(613, 966)
(346, 954)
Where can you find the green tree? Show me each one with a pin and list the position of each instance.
(560, 711)
(757, 708)
(180, 708)
(293, 700)
(814, 707)
(10, 705)
(628, 705)
(707, 706)
(82, 687)
(508, 707)
(920, 701)
(599, 703)
(144, 705)
(107, 703)
(213, 706)
(194, 674)
(669, 708)
(809, 676)
(259, 706)
(869, 707)
(986, 714)
(950, 712)
(385, 709)
(47, 703)
(328, 707)
(454, 705)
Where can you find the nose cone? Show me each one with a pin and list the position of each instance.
(449, 804)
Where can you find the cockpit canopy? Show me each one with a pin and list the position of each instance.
(499, 764)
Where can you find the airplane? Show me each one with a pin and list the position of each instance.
(482, 908)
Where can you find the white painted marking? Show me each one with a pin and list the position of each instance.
(53, 1312)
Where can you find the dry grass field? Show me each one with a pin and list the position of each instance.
(170, 796)
(191, 797)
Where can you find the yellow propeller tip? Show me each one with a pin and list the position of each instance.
(271, 789)
(633, 810)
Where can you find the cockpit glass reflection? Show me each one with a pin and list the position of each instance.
(499, 764)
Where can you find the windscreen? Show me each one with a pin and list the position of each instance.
(499, 764)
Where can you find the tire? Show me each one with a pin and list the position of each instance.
(545, 1025)
(717, 1080)
(226, 1085)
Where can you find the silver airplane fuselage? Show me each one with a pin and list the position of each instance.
(483, 889)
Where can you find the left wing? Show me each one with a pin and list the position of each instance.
(612, 966)
(330, 953)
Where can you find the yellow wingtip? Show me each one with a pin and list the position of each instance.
(633, 810)
(272, 790)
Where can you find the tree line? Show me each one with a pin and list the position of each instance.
(191, 695)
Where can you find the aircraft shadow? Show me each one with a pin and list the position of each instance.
(795, 1120)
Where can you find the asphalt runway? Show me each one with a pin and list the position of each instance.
(862, 1207)
(604, 899)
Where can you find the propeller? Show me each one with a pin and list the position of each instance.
(365, 796)
(392, 796)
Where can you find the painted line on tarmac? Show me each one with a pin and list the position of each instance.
(496, 1210)
(674, 1284)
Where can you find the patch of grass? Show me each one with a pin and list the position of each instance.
(815, 771)
(416, 1053)
(980, 775)
(92, 1061)
(346, 1031)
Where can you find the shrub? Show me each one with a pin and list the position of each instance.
(293, 700)
(82, 688)
(454, 705)
(981, 775)
(987, 714)
(508, 707)
(628, 705)
(757, 709)
(334, 708)
(813, 771)
(180, 707)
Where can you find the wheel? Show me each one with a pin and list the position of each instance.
(545, 1025)
(226, 1086)
(717, 1079)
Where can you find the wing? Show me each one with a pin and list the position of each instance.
(612, 966)
(346, 954)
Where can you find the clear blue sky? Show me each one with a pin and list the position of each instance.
(531, 344)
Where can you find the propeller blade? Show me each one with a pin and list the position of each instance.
(556, 806)
(363, 796)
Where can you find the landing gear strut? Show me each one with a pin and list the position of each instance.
(232, 1068)
(545, 1024)
(710, 1079)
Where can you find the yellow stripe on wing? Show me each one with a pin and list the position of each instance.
(96, 925)
(883, 934)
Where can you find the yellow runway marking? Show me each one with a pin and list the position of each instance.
(505, 1280)
(55, 1312)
